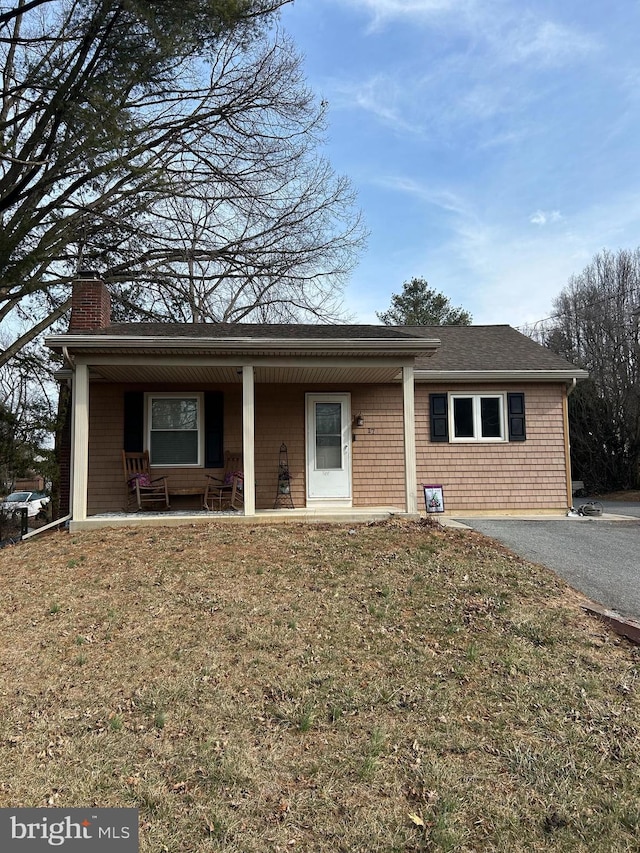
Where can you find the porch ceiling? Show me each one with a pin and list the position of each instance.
(227, 374)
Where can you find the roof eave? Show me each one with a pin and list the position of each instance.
(422, 347)
(534, 375)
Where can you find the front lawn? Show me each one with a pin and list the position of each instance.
(387, 687)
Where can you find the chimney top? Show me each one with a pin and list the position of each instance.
(90, 304)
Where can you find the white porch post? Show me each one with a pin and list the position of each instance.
(80, 447)
(248, 439)
(409, 410)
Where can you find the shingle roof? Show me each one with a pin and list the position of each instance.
(274, 331)
(463, 348)
(486, 348)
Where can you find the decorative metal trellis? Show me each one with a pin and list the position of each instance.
(283, 493)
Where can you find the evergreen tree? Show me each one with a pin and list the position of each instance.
(421, 305)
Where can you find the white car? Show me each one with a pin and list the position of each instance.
(33, 501)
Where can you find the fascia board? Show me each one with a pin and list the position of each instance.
(500, 375)
(423, 346)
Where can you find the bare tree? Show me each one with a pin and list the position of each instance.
(273, 236)
(596, 326)
(172, 146)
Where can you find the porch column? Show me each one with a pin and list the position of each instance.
(409, 410)
(80, 445)
(248, 439)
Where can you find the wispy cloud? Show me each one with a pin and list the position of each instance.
(544, 43)
(382, 11)
(496, 267)
(432, 104)
(444, 199)
(381, 95)
(545, 217)
(479, 70)
(510, 35)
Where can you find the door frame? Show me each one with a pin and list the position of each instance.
(344, 398)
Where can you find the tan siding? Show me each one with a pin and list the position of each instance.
(512, 475)
(378, 460)
(106, 412)
(279, 419)
(475, 476)
(378, 451)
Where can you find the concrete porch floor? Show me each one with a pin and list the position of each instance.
(174, 518)
(326, 515)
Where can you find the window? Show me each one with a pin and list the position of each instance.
(328, 436)
(477, 418)
(174, 429)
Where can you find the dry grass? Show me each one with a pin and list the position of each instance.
(393, 687)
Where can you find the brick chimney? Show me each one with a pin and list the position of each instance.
(90, 304)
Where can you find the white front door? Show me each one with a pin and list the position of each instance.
(329, 449)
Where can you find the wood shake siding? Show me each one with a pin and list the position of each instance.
(105, 491)
(378, 451)
(279, 419)
(529, 474)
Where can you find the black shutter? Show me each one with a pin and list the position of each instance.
(517, 423)
(213, 429)
(133, 438)
(438, 407)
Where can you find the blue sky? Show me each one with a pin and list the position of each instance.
(493, 145)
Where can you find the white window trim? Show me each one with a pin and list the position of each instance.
(180, 395)
(477, 422)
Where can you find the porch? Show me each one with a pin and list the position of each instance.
(340, 398)
(370, 463)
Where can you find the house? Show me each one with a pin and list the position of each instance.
(368, 414)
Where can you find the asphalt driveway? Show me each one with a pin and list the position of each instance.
(597, 556)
